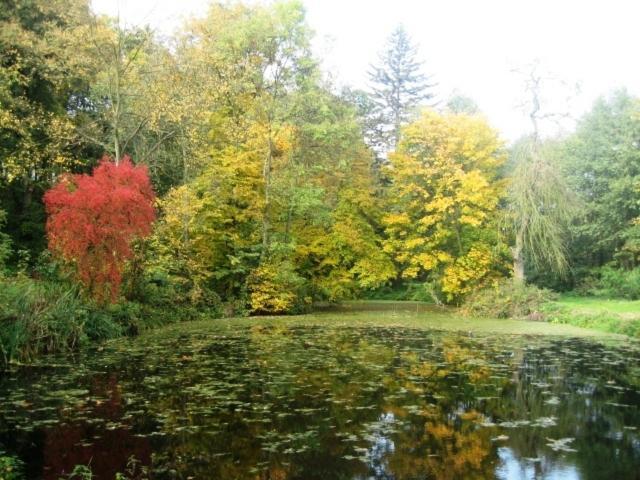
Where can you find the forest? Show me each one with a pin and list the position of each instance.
(219, 172)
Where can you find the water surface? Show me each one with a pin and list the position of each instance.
(331, 403)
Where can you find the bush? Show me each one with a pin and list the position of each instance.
(612, 283)
(276, 288)
(5, 243)
(50, 313)
(93, 221)
(508, 299)
(11, 468)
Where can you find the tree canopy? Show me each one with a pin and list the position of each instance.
(277, 190)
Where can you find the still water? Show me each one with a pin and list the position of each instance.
(330, 403)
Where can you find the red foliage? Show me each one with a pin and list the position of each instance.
(93, 220)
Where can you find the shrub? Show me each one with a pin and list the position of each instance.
(5, 243)
(612, 283)
(93, 221)
(508, 299)
(408, 291)
(275, 287)
(11, 468)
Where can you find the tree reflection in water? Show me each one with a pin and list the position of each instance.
(318, 403)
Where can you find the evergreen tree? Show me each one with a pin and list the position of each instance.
(398, 87)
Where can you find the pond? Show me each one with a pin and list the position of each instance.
(320, 402)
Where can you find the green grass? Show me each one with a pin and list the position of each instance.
(598, 305)
(390, 314)
(607, 315)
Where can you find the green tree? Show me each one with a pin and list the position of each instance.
(540, 204)
(286, 165)
(539, 208)
(398, 87)
(139, 103)
(43, 80)
(602, 161)
(459, 103)
(39, 81)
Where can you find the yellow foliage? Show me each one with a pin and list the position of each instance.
(184, 238)
(467, 271)
(443, 198)
(274, 288)
(345, 255)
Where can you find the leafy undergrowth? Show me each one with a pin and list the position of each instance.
(508, 299)
(11, 468)
(411, 292)
(614, 316)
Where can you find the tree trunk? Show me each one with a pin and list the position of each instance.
(518, 258)
(267, 206)
(116, 118)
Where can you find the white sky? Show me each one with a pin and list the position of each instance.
(469, 46)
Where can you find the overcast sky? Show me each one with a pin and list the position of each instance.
(468, 46)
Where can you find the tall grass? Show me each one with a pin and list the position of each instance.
(44, 316)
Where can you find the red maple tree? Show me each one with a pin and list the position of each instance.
(93, 220)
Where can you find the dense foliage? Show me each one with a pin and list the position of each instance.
(46, 316)
(443, 197)
(602, 160)
(508, 299)
(94, 219)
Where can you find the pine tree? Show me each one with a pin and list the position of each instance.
(397, 87)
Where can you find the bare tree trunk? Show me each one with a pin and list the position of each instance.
(266, 173)
(518, 258)
(117, 106)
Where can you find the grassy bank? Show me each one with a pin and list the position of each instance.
(606, 315)
(41, 316)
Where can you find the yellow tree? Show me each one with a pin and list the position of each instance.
(282, 211)
(344, 256)
(443, 197)
(210, 229)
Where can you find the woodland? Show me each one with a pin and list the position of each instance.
(219, 172)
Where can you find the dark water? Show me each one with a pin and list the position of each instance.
(322, 403)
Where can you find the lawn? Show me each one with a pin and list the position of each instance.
(608, 315)
(625, 308)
